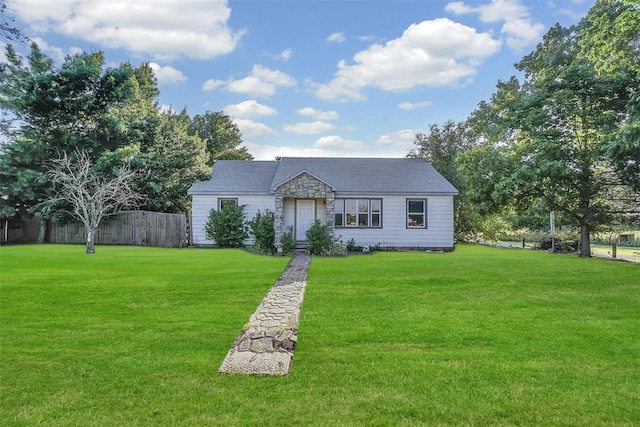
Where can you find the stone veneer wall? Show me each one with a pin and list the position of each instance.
(303, 186)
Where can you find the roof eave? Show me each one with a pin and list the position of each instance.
(228, 193)
(400, 193)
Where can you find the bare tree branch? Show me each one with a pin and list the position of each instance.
(80, 192)
(8, 30)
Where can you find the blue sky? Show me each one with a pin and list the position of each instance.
(316, 78)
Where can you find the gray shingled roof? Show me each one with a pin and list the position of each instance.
(237, 176)
(345, 175)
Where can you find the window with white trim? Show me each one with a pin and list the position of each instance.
(339, 213)
(351, 212)
(228, 201)
(358, 213)
(376, 213)
(416, 213)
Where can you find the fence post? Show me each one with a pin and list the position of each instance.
(614, 249)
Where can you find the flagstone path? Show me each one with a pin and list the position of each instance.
(266, 344)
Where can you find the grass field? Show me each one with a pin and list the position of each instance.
(480, 336)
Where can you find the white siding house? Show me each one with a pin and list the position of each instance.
(203, 203)
(390, 203)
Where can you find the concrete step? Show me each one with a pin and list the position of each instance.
(302, 244)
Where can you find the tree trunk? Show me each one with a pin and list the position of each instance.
(91, 234)
(42, 228)
(585, 240)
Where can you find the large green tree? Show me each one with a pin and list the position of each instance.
(441, 146)
(165, 155)
(169, 162)
(610, 40)
(221, 135)
(112, 114)
(551, 135)
(52, 110)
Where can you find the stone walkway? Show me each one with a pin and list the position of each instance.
(265, 345)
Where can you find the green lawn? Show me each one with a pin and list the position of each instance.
(480, 336)
(632, 253)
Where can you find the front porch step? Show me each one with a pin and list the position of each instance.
(302, 244)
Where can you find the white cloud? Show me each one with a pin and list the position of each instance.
(56, 53)
(285, 55)
(167, 29)
(368, 38)
(336, 38)
(251, 85)
(308, 128)
(269, 152)
(262, 82)
(338, 142)
(251, 129)
(571, 14)
(522, 33)
(402, 139)
(518, 26)
(317, 114)
(212, 84)
(167, 74)
(249, 109)
(439, 52)
(414, 105)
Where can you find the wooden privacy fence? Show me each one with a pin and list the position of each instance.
(126, 228)
(12, 231)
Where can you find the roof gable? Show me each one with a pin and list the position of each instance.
(276, 184)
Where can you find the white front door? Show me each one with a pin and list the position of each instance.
(305, 215)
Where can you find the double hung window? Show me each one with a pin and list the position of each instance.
(223, 202)
(376, 213)
(416, 213)
(358, 213)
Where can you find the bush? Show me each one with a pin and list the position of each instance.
(352, 247)
(261, 227)
(287, 242)
(319, 238)
(335, 249)
(226, 227)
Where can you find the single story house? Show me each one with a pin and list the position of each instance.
(385, 202)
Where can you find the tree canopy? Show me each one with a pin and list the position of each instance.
(565, 136)
(442, 146)
(52, 111)
(110, 113)
(221, 135)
